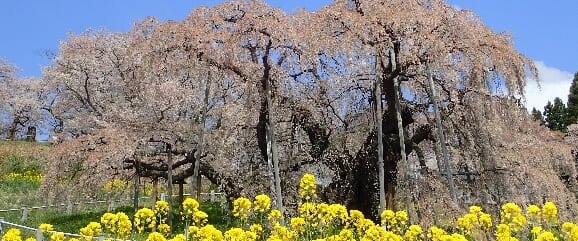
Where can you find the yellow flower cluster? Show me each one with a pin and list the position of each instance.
(414, 233)
(534, 214)
(57, 236)
(570, 231)
(164, 228)
(550, 212)
(307, 187)
(274, 216)
(115, 186)
(200, 218)
(118, 225)
(262, 204)
(27, 176)
(45, 227)
(474, 221)
(93, 229)
(154, 236)
(161, 210)
(205, 233)
(242, 208)
(190, 206)
(12, 234)
(238, 234)
(333, 222)
(144, 219)
(394, 220)
(511, 215)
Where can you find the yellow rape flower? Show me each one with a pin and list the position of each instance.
(550, 212)
(401, 217)
(475, 209)
(91, 230)
(503, 232)
(307, 187)
(262, 203)
(190, 205)
(144, 219)
(235, 234)
(12, 234)
(200, 218)
(161, 210)
(308, 211)
(281, 232)
(154, 236)
(414, 233)
(242, 208)
(567, 226)
(518, 223)
(164, 228)
(388, 219)
(536, 230)
(546, 236)
(485, 221)
(533, 213)
(435, 234)
(209, 232)
(179, 237)
(570, 231)
(274, 216)
(509, 211)
(256, 228)
(45, 227)
(123, 226)
(298, 224)
(338, 211)
(57, 236)
(374, 233)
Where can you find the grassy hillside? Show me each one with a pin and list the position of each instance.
(21, 172)
(21, 166)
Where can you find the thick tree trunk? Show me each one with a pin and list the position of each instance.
(12, 132)
(31, 134)
(155, 191)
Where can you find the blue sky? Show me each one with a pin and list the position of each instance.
(543, 30)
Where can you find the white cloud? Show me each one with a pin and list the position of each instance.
(554, 83)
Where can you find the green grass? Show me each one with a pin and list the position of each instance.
(72, 223)
(20, 157)
(26, 157)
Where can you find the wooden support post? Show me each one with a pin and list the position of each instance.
(441, 136)
(24, 214)
(68, 207)
(378, 125)
(39, 235)
(404, 162)
(136, 185)
(170, 184)
(213, 198)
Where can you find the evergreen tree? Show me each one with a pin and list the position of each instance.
(537, 115)
(555, 115)
(573, 101)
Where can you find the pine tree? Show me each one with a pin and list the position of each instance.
(573, 101)
(537, 115)
(555, 115)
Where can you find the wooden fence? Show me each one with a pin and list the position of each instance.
(112, 204)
